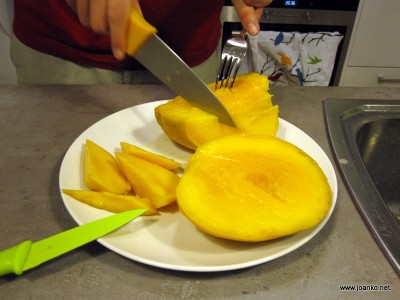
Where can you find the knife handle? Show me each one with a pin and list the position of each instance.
(12, 260)
(139, 30)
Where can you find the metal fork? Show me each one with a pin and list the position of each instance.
(232, 55)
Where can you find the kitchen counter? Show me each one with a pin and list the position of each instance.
(39, 123)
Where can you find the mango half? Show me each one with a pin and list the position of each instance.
(249, 103)
(253, 188)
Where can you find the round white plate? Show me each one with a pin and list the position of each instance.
(169, 240)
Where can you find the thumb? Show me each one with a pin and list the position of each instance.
(247, 17)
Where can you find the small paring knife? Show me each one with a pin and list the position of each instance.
(28, 255)
(147, 48)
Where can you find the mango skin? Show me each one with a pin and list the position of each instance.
(253, 188)
(249, 103)
(101, 172)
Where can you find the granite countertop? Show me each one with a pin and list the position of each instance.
(39, 123)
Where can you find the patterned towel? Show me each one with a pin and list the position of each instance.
(293, 58)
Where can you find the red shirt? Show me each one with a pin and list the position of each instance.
(190, 27)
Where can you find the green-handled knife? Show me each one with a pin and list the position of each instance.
(28, 255)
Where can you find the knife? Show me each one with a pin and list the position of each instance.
(147, 48)
(28, 255)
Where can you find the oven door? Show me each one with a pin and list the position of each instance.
(301, 21)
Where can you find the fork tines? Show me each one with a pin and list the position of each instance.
(228, 69)
(232, 55)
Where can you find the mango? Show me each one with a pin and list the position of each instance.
(149, 180)
(101, 172)
(202, 127)
(172, 117)
(112, 202)
(248, 101)
(162, 161)
(253, 188)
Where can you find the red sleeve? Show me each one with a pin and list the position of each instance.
(191, 28)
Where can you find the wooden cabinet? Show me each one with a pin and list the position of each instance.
(373, 58)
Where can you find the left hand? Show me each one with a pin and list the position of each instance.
(249, 12)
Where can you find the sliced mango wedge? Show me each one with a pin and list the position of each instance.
(172, 117)
(160, 160)
(149, 180)
(101, 172)
(112, 202)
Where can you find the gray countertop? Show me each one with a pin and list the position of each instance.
(39, 123)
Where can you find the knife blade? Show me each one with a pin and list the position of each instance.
(28, 255)
(147, 48)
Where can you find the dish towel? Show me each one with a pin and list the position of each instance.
(293, 58)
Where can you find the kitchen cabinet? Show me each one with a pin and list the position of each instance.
(373, 58)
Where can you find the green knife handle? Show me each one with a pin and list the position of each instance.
(12, 260)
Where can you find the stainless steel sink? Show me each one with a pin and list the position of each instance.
(365, 137)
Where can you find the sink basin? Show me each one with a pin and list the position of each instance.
(365, 137)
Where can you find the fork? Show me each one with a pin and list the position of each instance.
(232, 55)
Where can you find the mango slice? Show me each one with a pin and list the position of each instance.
(101, 172)
(249, 103)
(112, 202)
(253, 188)
(172, 117)
(198, 127)
(162, 161)
(149, 180)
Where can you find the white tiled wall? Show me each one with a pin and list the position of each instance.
(7, 70)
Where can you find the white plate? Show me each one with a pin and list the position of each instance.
(169, 240)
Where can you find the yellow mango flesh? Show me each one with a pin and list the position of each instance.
(149, 180)
(160, 160)
(101, 172)
(112, 202)
(253, 188)
(202, 127)
(249, 103)
(172, 117)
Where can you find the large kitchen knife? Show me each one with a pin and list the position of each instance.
(147, 48)
(28, 255)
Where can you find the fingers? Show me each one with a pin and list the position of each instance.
(249, 12)
(258, 3)
(92, 14)
(98, 15)
(118, 18)
(72, 4)
(83, 12)
(107, 17)
(247, 17)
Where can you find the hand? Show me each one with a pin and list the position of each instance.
(249, 12)
(106, 17)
